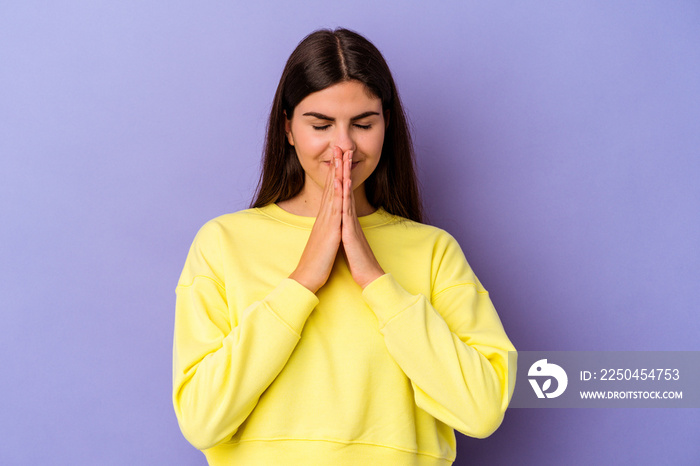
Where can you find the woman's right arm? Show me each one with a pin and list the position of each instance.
(221, 369)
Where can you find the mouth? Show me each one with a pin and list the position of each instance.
(354, 164)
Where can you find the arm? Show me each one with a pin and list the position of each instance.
(220, 368)
(453, 349)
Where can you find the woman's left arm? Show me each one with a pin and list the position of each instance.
(453, 349)
(452, 346)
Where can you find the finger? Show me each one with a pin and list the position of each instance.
(344, 178)
(328, 188)
(351, 198)
(338, 156)
(347, 164)
(350, 195)
(338, 179)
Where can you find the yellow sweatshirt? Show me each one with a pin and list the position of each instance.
(265, 372)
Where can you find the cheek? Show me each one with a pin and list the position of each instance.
(372, 143)
(309, 141)
(371, 146)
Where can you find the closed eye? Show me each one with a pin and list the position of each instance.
(325, 127)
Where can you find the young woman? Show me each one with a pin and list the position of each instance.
(326, 325)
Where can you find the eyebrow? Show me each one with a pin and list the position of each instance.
(321, 116)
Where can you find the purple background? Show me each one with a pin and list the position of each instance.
(559, 142)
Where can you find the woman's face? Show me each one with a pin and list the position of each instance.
(344, 115)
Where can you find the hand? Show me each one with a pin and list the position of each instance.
(362, 263)
(321, 249)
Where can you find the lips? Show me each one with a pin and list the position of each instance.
(354, 164)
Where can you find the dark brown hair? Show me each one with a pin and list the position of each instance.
(322, 59)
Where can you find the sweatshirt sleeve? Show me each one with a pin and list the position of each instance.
(221, 368)
(452, 347)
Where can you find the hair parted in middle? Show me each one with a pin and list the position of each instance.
(322, 59)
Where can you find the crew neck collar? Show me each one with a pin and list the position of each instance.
(376, 218)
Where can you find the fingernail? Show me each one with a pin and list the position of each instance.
(336, 163)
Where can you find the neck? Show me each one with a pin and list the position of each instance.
(308, 202)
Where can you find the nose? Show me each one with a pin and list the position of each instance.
(343, 139)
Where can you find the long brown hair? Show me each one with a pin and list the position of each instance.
(322, 59)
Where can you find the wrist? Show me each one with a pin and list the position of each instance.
(303, 281)
(372, 277)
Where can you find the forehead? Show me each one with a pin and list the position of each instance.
(350, 97)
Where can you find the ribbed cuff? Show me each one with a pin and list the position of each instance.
(387, 298)
(292, 303)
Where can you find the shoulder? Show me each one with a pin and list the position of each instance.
(235, 218)
(229, 223)
(413, 231)
(213, 240)
(448, 264)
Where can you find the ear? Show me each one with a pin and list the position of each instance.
(288, 128)
(387, 114)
